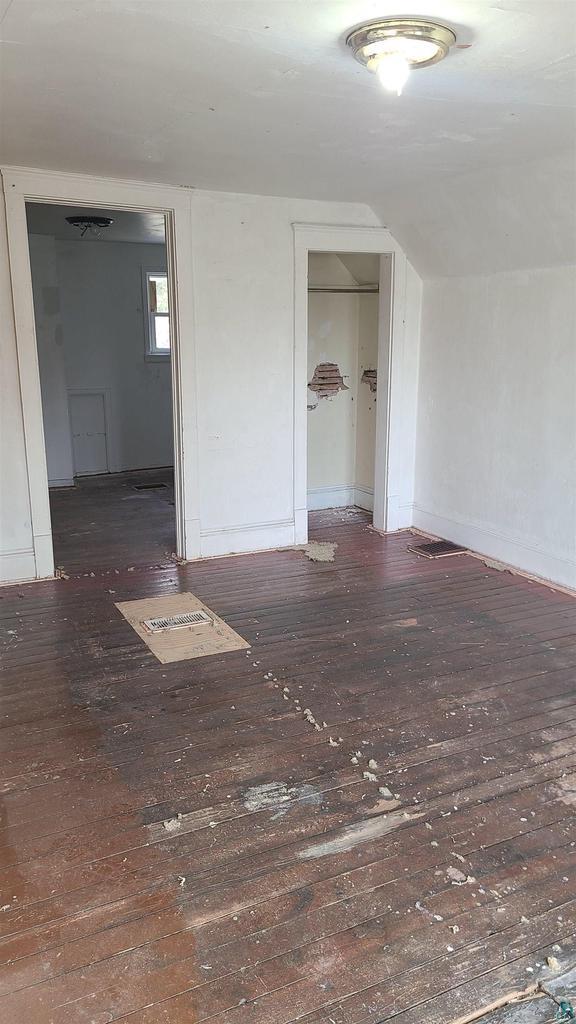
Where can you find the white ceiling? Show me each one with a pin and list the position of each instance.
(262, 96)
(50, 219)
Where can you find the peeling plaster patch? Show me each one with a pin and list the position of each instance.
(361, 832)
(272, 794)
(370, 377)
(319, 550)
(327, 380)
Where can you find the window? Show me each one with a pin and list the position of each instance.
(158, 314)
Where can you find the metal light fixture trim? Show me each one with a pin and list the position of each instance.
(368, 41)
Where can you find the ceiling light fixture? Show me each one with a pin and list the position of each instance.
(394, 47)
(89, 223)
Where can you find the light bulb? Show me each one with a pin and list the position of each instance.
(393, 71)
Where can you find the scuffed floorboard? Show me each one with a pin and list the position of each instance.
(368, 815)
(537, 1009)
(543, 1002)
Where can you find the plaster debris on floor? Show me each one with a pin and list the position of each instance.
(319, 550)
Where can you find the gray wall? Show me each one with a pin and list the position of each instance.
(99, 342)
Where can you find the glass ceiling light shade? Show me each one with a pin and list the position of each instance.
(394, 47)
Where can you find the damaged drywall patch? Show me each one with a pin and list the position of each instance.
(319, 550)
(327, 380)
(370, 377)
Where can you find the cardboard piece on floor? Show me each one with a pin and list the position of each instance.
(180, 644)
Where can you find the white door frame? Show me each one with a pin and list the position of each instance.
(389, 442)
(22, 185)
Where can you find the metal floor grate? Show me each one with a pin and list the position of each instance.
(437, 548)
(185, 619)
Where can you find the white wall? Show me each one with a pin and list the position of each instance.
(103, 317)
(366, 399)
(496, 458)
(497, 218)
(244, 314)
(90, 323)
(243, 290)
(16, 551)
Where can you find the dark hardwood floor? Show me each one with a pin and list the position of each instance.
(107, 522)
(413, 860)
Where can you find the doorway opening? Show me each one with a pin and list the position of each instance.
(105, 342)
(349, 310)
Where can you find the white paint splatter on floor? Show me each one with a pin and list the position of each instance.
(360, 832)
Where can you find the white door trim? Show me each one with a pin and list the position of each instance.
(23, 185)
(389, 439)
(106, 394)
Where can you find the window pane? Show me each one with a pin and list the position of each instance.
(162, 333)
(158, 293)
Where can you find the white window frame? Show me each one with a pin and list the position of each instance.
(150, 327)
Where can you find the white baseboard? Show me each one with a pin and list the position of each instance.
(502, 547)
(231, 540)
(16, 566)
(399, 514)
(300, 525)
(364, 498)
(193, 544)
(338, 496)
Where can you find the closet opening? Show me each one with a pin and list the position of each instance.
(349, 307)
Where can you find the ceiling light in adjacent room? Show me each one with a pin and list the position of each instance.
(91, 224)
(392, 48)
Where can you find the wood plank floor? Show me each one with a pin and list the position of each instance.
(179, 842)
(105, 521)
